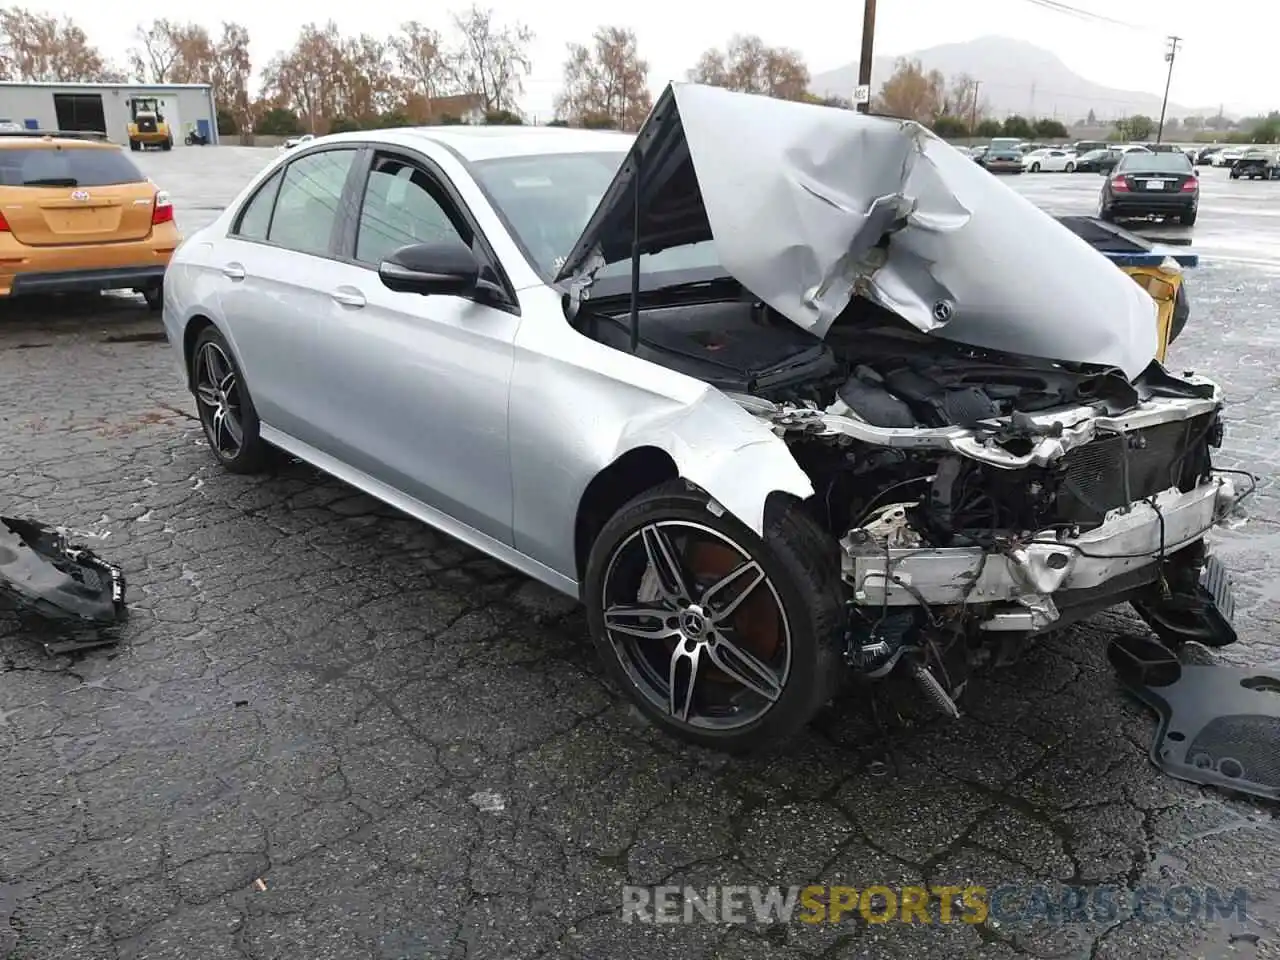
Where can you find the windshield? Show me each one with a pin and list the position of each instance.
(548, 199)
(1157, 162)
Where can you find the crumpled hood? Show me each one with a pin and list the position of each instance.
(808, 205)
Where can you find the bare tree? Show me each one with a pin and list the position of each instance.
(962, 99)
(913, 94)
(421, 57)
(326, 77)
(748, 64)
(606, 84)
(156, 53)
(491, 60)
(40, 48)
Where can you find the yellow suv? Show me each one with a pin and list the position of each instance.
(76, 214)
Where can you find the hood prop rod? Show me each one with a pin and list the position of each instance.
(635, 251)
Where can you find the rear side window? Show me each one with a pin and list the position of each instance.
(255, 219)
(63, 167)
(307, 207)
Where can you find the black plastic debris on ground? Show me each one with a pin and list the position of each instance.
(66, 597)
(1218, 725)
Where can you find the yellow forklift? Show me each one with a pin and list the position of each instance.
(147, 126)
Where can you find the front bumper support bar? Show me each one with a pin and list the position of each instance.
(1019, 580)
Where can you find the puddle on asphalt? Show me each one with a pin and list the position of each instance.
(148, 336)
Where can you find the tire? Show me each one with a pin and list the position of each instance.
(1035, 168)
(1106, 215)
(135, 146)
(154, 297)
(251, 453)
(1188, 219)
(1070, 167)
(167, 145)
(797, 602)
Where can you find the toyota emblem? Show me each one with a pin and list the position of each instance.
(80, 195)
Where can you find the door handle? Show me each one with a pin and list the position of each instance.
(348, 297)
(233, 271)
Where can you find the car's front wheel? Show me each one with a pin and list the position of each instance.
(720, 637)
(1035, 168)
(226, 410)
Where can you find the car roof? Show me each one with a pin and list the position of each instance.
(50, 143)
(496, 142)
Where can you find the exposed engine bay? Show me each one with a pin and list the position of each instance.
(963, 485)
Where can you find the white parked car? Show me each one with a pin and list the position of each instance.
(1049, 160)
(1227, 157)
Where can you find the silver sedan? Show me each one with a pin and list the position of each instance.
(761, 386)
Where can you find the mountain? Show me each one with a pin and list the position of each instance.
(1017, 77)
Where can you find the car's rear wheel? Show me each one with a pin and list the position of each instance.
(154, 297)
(226, 410)
(1071, 167)
(1187, 219)
(134, 146)
(720, 637)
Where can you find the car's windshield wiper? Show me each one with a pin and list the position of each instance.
(52, 182)
(690, 285)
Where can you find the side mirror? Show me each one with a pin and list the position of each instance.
(431, 268)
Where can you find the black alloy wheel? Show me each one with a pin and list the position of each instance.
(226, 410)
(719, 637)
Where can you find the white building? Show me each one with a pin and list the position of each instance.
(104, 107)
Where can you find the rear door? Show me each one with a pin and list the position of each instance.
(56, 194)
(277, 270)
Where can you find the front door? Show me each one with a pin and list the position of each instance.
(418, 384)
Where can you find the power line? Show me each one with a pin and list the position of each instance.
(1058, 7)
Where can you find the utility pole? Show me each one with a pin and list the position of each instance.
(868, 51)
(973, 110)
(1169, 56)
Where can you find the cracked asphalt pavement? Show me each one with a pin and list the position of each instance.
(330, 732)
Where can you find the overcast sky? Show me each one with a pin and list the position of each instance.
(1224, 42)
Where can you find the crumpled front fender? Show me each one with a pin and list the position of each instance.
(735, 457)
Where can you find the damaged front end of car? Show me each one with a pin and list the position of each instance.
(997, 527)
(971, 388)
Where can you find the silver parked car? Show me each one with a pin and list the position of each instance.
(783, 393)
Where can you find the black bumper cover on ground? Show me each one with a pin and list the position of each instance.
(1218, 725)
(89, 281)
(72, 591)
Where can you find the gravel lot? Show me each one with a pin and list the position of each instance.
(412, 748)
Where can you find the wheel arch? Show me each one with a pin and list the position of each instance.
(196, 325)
(755, 482)
(631, 474)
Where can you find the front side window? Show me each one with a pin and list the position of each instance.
(400, 207)
(307, 207)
